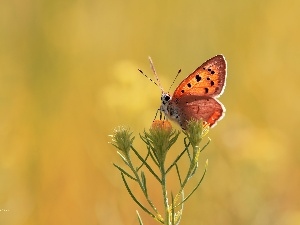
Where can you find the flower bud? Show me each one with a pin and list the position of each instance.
(121, 139)
(160, 138)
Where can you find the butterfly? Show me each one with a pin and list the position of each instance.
(196, 96)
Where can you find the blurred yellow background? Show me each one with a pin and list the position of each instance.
(68, 76)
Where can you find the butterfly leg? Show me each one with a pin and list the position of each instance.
(156, 114)
(161, 115)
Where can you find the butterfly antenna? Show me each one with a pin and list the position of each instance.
(155, 74)
(179, 71)
(148, 77)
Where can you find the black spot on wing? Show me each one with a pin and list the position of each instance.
(198, 78)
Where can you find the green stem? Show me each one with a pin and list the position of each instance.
(165, 195)
(142, 186)
(191, 169)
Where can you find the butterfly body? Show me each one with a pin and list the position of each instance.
(195, 97)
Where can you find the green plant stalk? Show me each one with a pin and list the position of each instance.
(143, 189)
(188, 175)
(165, 195)
(159, 140)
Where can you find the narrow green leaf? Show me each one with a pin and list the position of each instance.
(153, 157)
(194, 170)
(143, 162)
(123, 158)
(176, 160)
(144, 183)
(144, 139)
(205, 145)
(146, 164)
(123, 171)
(184, 200)
(181, 209)
(188, 152)
(139, 218)
(174, 139)
(178, 174)
(134, 198)
(186, 142)
(173, 210)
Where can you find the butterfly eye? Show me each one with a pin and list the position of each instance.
(167, 98)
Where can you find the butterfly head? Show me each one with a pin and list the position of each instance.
(165, 98)
(168, 107)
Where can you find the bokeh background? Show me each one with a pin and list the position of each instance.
(68, 77)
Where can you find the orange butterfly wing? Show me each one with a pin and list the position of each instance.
(208, 80)
(198, 107)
